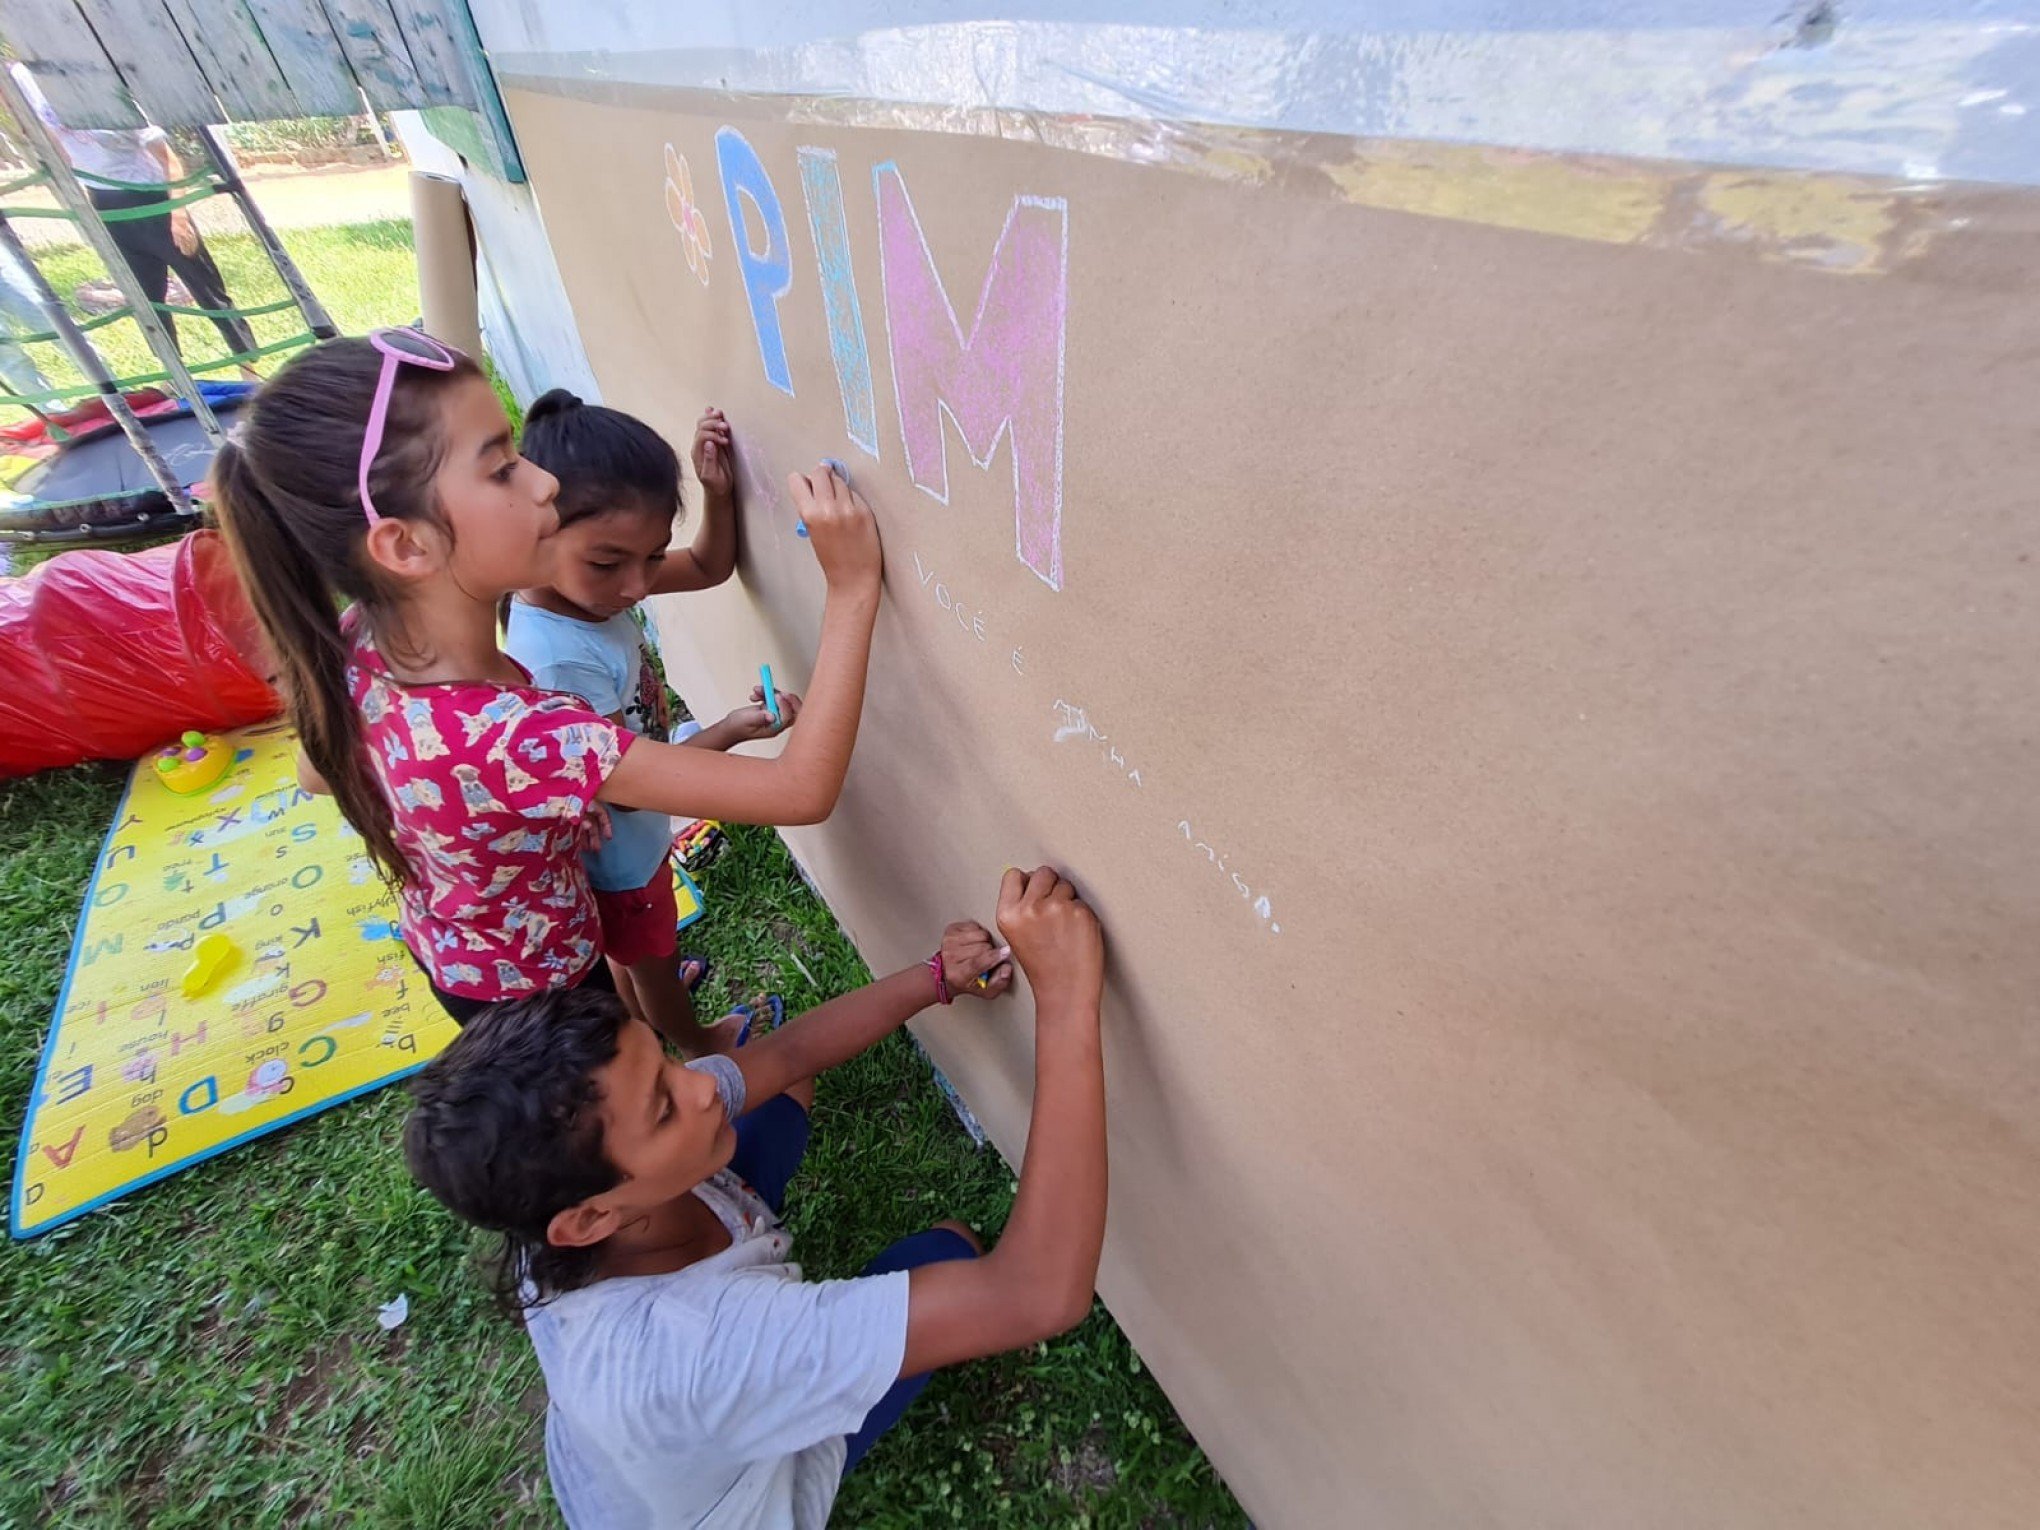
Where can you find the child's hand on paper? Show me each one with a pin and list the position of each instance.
(713, 464)
(972, 964)
(1054, 937)
(754, 722)
(840, 527)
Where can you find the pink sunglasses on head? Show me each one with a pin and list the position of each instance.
(397, 346)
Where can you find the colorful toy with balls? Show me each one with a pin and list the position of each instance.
(193, 763)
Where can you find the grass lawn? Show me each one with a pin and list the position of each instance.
(207, 1353)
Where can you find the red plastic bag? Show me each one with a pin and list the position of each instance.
(110, 654)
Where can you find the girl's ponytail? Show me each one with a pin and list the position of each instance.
(300, 611)
(285, 491)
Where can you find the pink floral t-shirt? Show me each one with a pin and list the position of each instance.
(488, 785)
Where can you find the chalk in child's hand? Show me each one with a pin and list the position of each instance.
(1003, 955)
(842, 471)
(771, 696)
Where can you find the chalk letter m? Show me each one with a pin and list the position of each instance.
(1004, 378)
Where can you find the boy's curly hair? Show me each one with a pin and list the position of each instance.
(504, 1131)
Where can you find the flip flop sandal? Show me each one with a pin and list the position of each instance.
(770, 1005)
(703, 968)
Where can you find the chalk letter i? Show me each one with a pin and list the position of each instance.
(823, 189)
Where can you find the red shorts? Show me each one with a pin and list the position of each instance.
(639, 926)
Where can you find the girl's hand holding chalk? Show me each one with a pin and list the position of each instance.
(835, 465)
(974, 963)
(841, 529)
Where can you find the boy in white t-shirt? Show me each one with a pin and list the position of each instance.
(619, 492)
(695, 1378)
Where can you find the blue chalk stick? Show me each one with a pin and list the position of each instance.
(771, 695)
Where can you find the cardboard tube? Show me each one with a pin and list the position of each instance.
(446, 261)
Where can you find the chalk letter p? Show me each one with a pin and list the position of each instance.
(768, 273)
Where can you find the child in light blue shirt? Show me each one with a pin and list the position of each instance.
(619, 493)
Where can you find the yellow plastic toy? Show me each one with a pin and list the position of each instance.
(210, 959)
(193, 763)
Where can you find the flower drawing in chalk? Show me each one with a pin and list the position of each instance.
(686, 214)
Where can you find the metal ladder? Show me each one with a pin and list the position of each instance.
(219, 176)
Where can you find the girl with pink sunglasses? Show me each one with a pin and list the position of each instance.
(381, 474)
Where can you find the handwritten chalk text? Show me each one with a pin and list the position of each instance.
(1075, 723)
(1259, 903)
(968, 618)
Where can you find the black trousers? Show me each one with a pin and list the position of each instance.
(152, 255)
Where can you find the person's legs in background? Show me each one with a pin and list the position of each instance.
(201, 275)
(144, 242)
(640, 934)
(150, 245)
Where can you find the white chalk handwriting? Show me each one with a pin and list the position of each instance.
(1259, 902)
(969, 619)
(1075, 723)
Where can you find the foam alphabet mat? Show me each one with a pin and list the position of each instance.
(237, 968)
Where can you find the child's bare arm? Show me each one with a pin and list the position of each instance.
(713, 556)
(308, 777)
(837, 1031)
(802, 784)
(1038, 1281)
